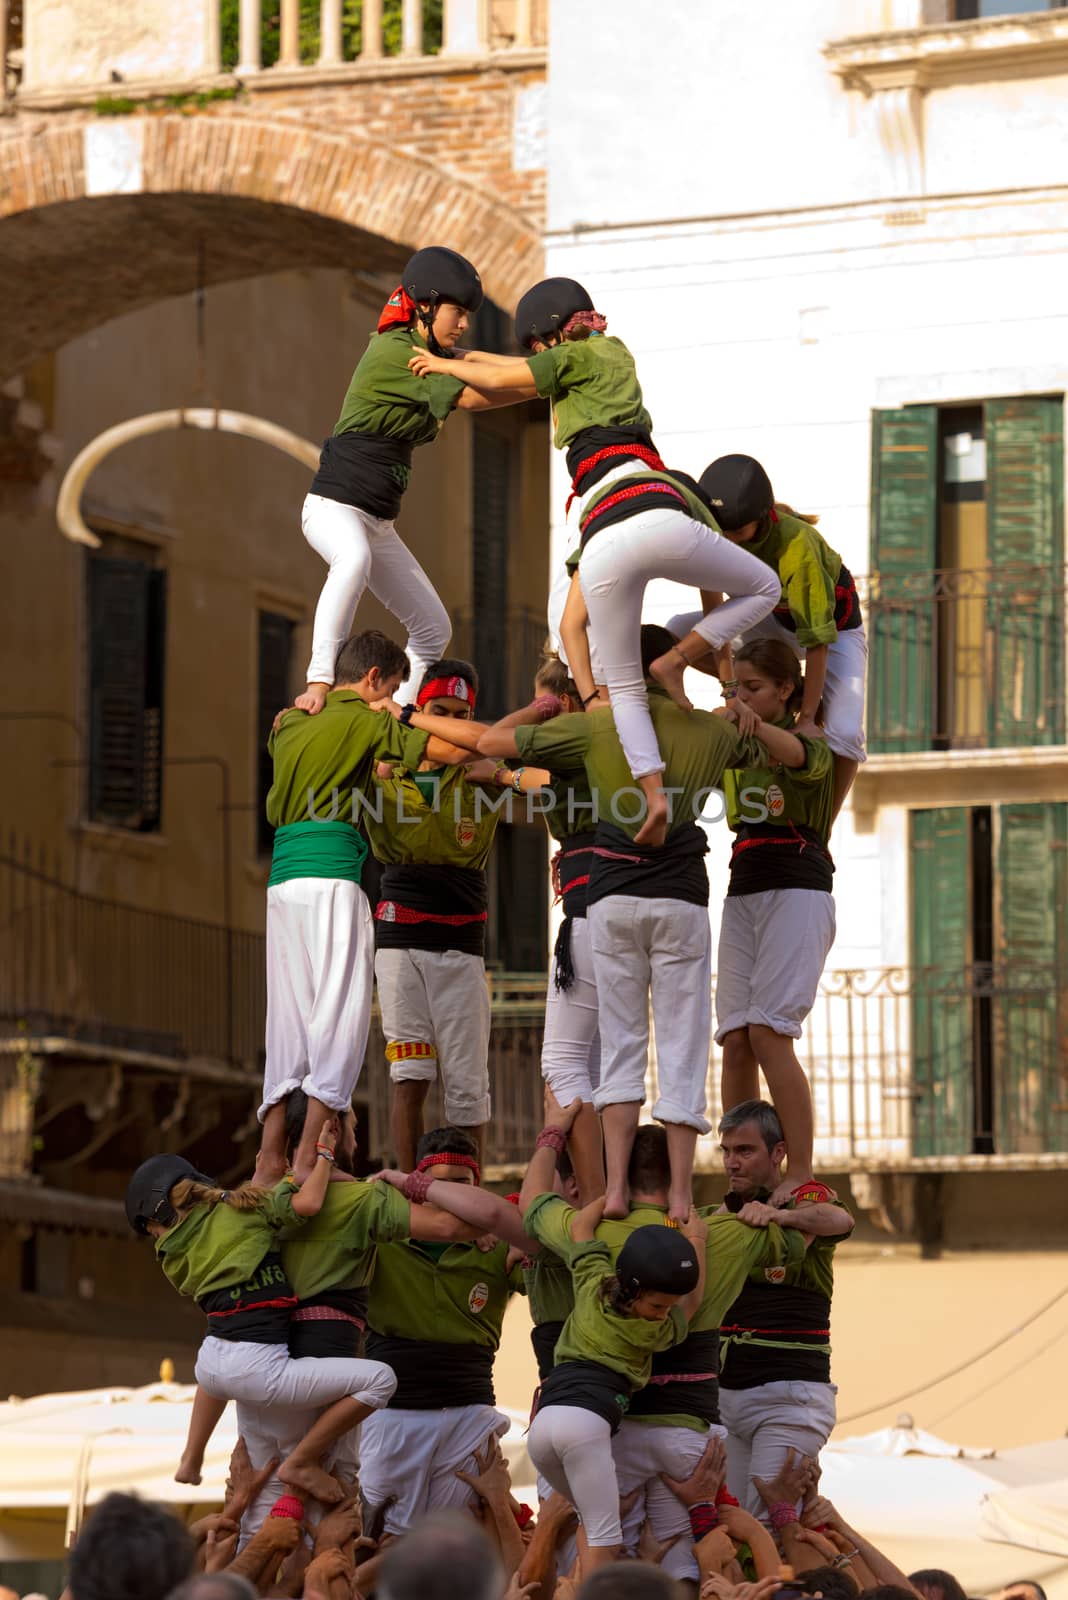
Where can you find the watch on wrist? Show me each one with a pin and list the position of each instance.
(408, 713)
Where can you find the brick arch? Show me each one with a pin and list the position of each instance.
(98, 217)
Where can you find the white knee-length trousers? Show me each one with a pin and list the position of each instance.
(571, 1043)
(365, 552)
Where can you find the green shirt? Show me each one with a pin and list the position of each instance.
(697, 748)
(808, 570)
(457, 1295)
(780, 795)
(456, 831)
(549, 1288)
(385, 396)
(594, 1332)
(592, 383)
(216, 1247)
(336, 1249)
(572, 807)
(334, 750)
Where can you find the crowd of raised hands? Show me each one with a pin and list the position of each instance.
(499, 1550)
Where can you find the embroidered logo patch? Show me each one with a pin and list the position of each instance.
(465, 832)
(775, 799)
(386, 912)
(476, 1300)
(775, 1274)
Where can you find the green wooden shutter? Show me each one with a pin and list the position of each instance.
(942, 1019)
(1030, 1006)
(274, 650)
(1025, 602)
(904, 503)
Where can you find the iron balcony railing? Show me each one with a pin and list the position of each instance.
(965, 658)
(904, 1063)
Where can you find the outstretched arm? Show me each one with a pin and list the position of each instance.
(510, 373)
(575, 638)
(541, 1173)
(500, 740)
(484, 1211)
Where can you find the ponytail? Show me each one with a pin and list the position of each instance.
(553, 676)
(811, 517)
(616, 1297)
(188, 1193)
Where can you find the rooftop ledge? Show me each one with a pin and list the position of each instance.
(955, 52)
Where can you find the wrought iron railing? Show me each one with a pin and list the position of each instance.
(965, 658)
(904, 1063)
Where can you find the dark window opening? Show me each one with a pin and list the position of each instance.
(127, 656)
(274, 655)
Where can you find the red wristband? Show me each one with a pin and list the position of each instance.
(416, 1187)
(782, 1515)
(725, 1498)
(703, 1518)
(553, 1138)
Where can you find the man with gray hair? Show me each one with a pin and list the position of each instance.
(445, 1556)
(775, 1389)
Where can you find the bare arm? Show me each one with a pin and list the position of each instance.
(540, 1175)
(696, 1230)
(815, 677)
(574, 636)
(487, 377)
(481, 1210)
(818, 1221)
(744, 1528)
(881, 1567)
(308, 1200)
(538, 1566)
(471, 400)
(781, 745)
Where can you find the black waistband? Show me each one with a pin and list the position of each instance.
(774, 1333)
(432, 1375)
(544, 1337)
(674, 870)
(320, 1337)
(589, 1386)
(591, 440)
(684, 1381)
(364, 470)
(572, 867)
(256, 1312)
(627, 501)
(847, 614)
(790, 856)
(432, 890)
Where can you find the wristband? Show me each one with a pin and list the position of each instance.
(845, 1558)
(590, 697)
(416, 1187)
(703, 1518)
(552, 1138)
(725, 1498)
(782, 1515)
(408, 713)
(324, 1150)
(502, 766)
(517, 777)
(288, 1505)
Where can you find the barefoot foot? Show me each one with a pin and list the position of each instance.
(680, 1203)
(668, 671)
(313, 699)
(313, 1482)
(188, 1470)
(616, 1203)
(269, 1170)
(654, 829)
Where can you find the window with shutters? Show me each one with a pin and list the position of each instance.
(274, 658)
(989, 894)
(966, 597)
(127, 595)
(490, 534)
(975, 10)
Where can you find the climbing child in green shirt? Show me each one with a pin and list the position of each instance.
(221, 1248)
(647, 524)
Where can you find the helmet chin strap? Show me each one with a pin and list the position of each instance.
(427, 320)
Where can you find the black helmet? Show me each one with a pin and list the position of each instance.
(737, 490)
(439, 274)
(659, 1259)
(148, 1190)
(544, 309)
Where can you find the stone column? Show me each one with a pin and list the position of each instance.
(523, 24)
(289, 46)
(463, 28)
(249, 58)
(372, 30)
(413, 28)
(330, 33)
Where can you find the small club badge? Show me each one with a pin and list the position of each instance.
(478, 1298)
(775, 800)
(466, 832)
(775, 1274)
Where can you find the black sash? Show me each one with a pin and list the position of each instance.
(364, 470)
(256, 1312)
(433, 890)
(589, 1386)
(330, 1338)
(589, 441)
(431, 1376)
(674, 870)
(684, 1381)
(765, 856)
(775, 1333)
(543, 1337)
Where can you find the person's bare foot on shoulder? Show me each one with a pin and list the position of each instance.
(654, 829)
(616, 1204)
(668, 671)
(313, 699)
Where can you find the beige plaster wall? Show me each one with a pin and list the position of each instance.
(79, 42)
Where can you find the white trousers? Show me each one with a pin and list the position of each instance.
(267, 1375)
(843, 688)
(572, 1448)
(365, 552)
(439, 998)
(772, 950)
(763, 1423)
(414, 1455)
(320, 971)
(615, 568)
(272, 1433)
(571, 1044)
(642, 1452)
(658, 949)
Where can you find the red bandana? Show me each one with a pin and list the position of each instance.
(398, 311)
(446, 689)
(449, 1158)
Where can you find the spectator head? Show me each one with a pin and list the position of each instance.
(129, 1549)
(629, 1580)
(888, 1591)
(649, 1170)
(935, 1584)
(753, 1149)
(444, 1556)
(372, 659)
(830, 1583)
(1022, 1589)
(215, 1586)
